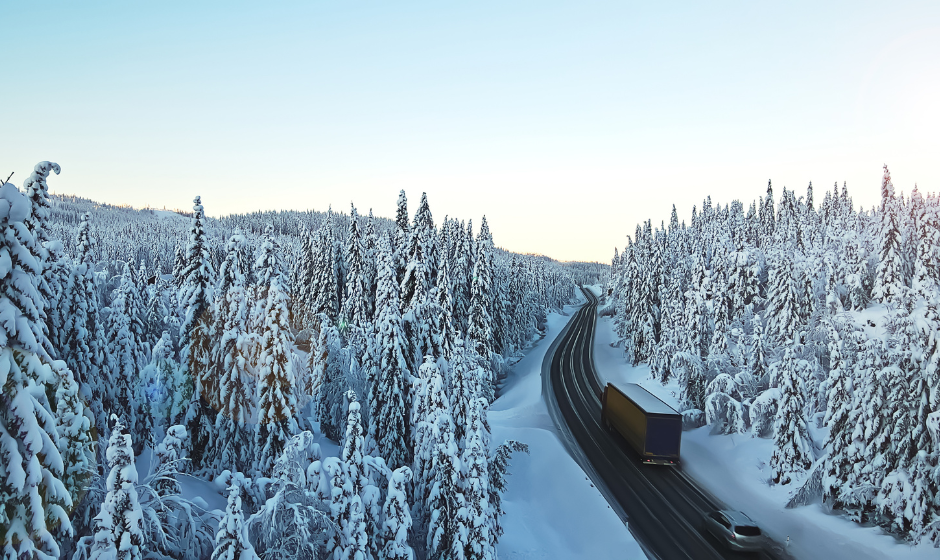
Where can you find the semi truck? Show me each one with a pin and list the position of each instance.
(650, 426)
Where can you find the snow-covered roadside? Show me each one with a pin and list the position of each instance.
(552, 509)
(734, 469)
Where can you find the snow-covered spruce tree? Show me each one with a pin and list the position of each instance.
(303, 284)
(743, 282)
(353, 444)
(326, 366)
(326, 301)
(267, 267)
(164, 384)
(55, 276)
(197, 278)
(448, 517)
(340, 494)
(793, 451)
(430, 400)
(196, 334)
(397, 516)
(168, 458)
(756, 357)
(416, 281)
(126, 356)
(37, 223)
(840, 400)
(277, 407)
(889, 276)
(402, 238)
(498, 470)
(232, 444)
(445, 303)
(355, 541)
(31, 490)
(476, 485)
(74, 426)
(118, 531)
(467, 383)
(231, 542)
(356, 306)
(82, 350)
(783, 317)
(692, 379)
(479, 326)
(388, 428)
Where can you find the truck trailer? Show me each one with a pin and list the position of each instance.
(650, 426)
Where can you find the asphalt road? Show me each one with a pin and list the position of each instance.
(662, 507)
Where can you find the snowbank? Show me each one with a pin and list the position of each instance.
(552, 509)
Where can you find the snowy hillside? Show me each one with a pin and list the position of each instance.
(289, 384)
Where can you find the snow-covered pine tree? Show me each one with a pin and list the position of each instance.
(783, 316)
(445, 303)
(743, 282)
(37, 223)
(402, 239)
(357, 546)
(197, 278)
(196, 335)
(467, 383)
(31, 490)
(168, 461)
(353, 444)
(305, 277)
(388, 428)
(326, 365)
(476, 485)
(118, 530)
(231, 541)
(340, 495)
(232, 351)
(793, 450)
(839, 408)
(126, 355)
(397, 521)
(768, 219)
(55, 276)
(448, 522)
(327, 290)
(416, 281)
(464, 262)
(856, 492)
(356, 308)
(479, 326)
(277, 406)
(370, 241)
(83, 351)
(889, 276)
(74, 426)
(498, 470)
(430, 401)
(857, 281)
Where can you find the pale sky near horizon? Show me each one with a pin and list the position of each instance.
(565, 123)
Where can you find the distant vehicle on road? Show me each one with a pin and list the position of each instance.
(648, 424)
(734, 529)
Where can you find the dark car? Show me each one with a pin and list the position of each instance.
(734, 529)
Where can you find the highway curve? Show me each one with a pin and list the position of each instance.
(662, 506)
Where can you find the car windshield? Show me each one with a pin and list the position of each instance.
(747, 531)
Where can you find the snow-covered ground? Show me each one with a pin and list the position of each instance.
(552, 509)
(734, 468)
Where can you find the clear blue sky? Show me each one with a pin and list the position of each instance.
(566, 123)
